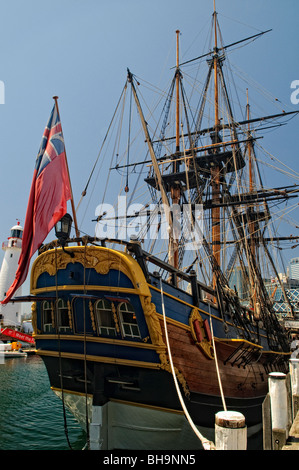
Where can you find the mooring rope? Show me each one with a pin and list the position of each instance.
(216, 362)
(207, 445)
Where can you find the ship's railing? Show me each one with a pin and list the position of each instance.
(198, 290)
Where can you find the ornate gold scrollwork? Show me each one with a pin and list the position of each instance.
(153, 323)
(91, 310)
(203, 343)
(156, 336)
(34, 318)
(53, 314)
(92, 257)
(115, 317)
(69, 311)
(166, 366)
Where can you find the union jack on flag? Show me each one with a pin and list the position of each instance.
(52, 143)
(49, 193)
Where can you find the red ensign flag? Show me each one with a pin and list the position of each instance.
(49, 193)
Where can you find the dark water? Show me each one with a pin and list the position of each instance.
(31, 416)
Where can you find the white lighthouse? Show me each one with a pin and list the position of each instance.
(10, 313)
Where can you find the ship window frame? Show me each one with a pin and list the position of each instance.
(105, 330)
(65, 328)
(130, 329)
(47, 313)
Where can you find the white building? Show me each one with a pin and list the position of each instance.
(10, 313)
(294, 268)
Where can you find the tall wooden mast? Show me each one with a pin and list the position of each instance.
(177, 79)
(158, 174)
(175, 189)
(251, 214)
(251, 225)
(215, 169)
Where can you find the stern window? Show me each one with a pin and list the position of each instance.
(128, 320)
(104, 317)
(62, 316)
(47, 317)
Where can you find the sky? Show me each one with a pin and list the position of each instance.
(79, 50)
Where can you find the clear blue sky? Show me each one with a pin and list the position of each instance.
(80, 49)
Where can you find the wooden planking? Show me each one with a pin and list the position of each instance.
(200, 372)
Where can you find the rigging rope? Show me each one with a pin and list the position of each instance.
(105, 138)
(59, 353)
(216, 361)
(85, 352)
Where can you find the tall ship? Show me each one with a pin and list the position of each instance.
(144, 330)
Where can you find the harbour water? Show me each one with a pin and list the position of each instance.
(31, 416)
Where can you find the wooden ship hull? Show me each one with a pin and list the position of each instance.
(125, 363)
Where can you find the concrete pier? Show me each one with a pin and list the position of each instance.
(293, 439)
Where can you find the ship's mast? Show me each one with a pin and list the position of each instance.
(175, 188)
(215, 169)
(251, 225)
(177, 80)
(249, 147)
(164, 196)
(251, 214)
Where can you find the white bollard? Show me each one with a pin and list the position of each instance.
(230, 431)
(294, 372)
(278, 400)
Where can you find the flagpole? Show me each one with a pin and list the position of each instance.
(55, 98)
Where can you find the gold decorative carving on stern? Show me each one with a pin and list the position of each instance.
(34, 318)
(115, 317)
(166, 366)
(91, 311)
(153, 322)
(53, 314)
(69, 311)
(156, 336)
(200, 334)
(101, 260)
